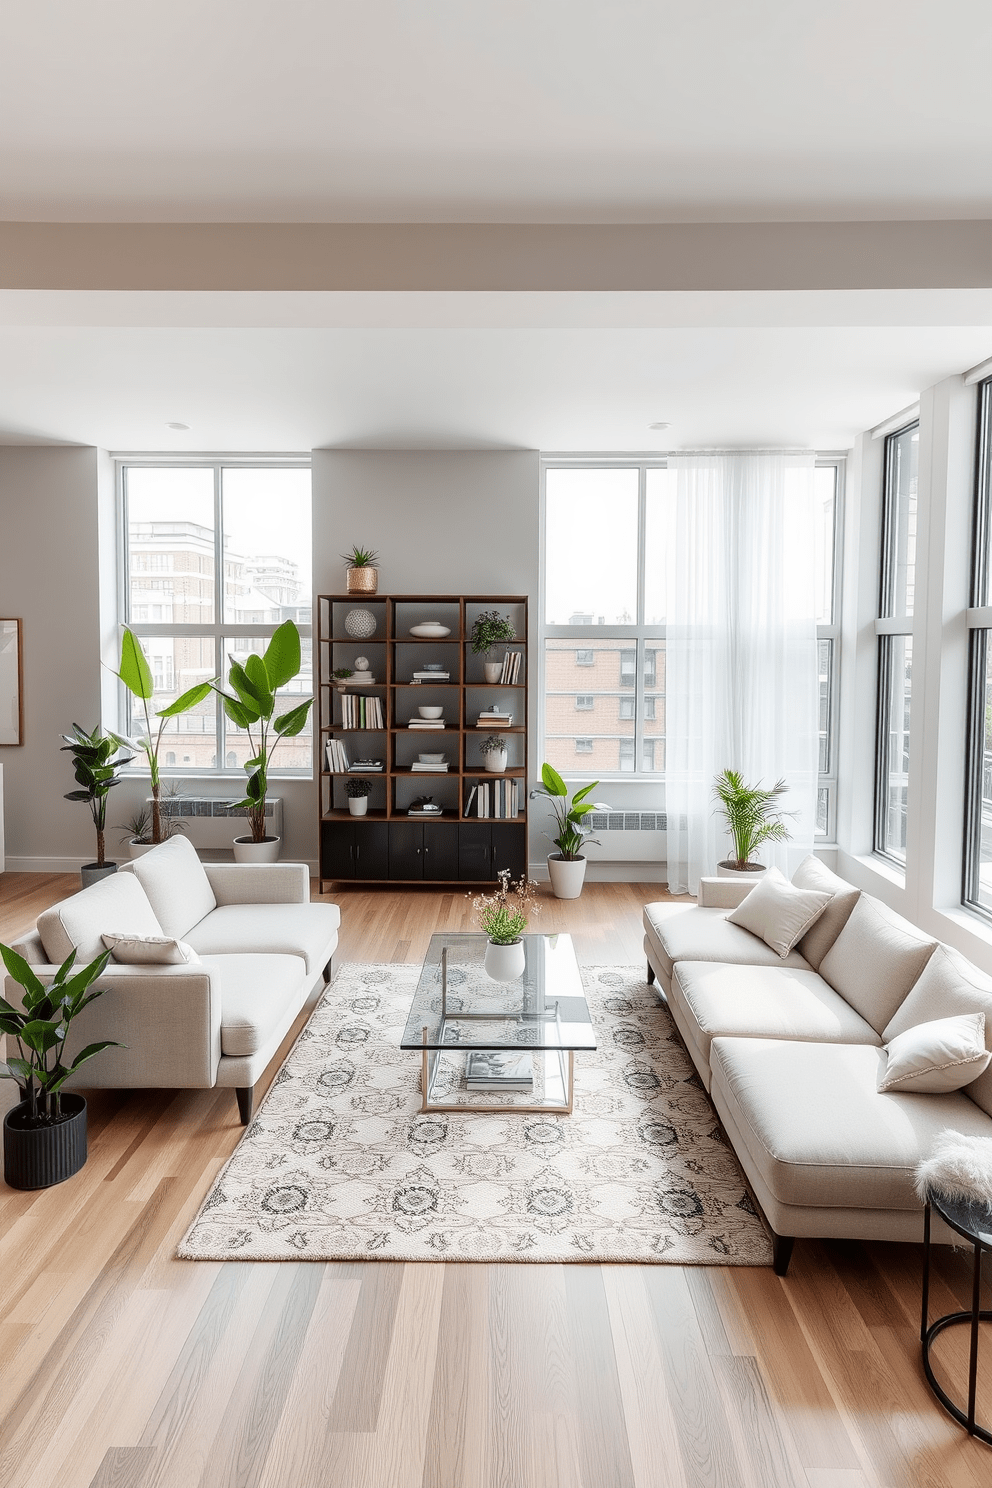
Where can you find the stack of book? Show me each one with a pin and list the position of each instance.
(499, 799)
(499, 1069)
(494, 718)
(337, 759)
(512, 664)
(422, 767)
(427, 723)
(431, 677)
(361, 712)
(366, 767)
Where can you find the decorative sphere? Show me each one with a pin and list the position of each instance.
(360, 623)
(361, 664)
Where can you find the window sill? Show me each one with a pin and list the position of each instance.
(877, 864)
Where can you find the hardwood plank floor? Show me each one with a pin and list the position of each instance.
(121, 1367)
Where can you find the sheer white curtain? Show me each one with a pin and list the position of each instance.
(741, 666)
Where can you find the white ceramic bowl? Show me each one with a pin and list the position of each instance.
(431, 759)
(431, 712)
(430, 630)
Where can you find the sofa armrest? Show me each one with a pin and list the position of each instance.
(168, 1017)
(259, 883)
(723, 893)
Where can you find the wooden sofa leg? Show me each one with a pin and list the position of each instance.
(650, 974)
(782, 1252)
(329, 972)
(246, 1100)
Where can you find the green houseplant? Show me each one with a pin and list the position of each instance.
(253, 707)
(96, 762)
(45, 1134)
(493, 750)
(752, 818)
(362, 570)
(567, 867)
(136, 675)
(489, 630)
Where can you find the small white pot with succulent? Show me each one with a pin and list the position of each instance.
(503, 918)
(494, 754)
(358, 792)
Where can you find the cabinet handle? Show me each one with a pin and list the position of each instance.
(358, 851)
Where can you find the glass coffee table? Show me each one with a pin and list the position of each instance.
(498, 1046)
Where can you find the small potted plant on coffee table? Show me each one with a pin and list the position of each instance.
(44, 1136)
(358, 792)
(503, 917)
(489, 630)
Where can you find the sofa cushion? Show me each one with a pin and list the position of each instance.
(149, 950)
(764, 1002)
(929, 1058)
(818, 1130)
(178, 889)
(947, 986)
(684, 932)
(116, 903)
(305, 930)
(777, 912)
(812, 874)
(255, 992)
(875, 960)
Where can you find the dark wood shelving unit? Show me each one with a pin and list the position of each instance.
(387, 845)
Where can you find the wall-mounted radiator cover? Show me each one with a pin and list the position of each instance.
(210, 822)
(627, 836)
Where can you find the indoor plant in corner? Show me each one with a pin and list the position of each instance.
(567, 867)
(489, 630)
(44, 1136)
(96, 762)
(253, 708)
(503, 917)
(752, 818)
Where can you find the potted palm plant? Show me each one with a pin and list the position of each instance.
(567, 867)
(253, 707)
(96, 762)
(362, 572)
(752, 818)
(44, 1136)
(489, 630)
(136, 675)
(503, 917)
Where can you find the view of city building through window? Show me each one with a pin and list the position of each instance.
(216, 557)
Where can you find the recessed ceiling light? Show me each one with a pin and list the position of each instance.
(185, 426)
(659, 425)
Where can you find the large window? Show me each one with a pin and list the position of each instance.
(978, 825)
(216, 555)
(894, 629)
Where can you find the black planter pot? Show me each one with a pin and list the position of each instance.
(39, 1156)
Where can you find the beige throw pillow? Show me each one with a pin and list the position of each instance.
(149, 950)
(778, 913)
(812, 874)
(933, 1058)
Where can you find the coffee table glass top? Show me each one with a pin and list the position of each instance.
(542, 1009)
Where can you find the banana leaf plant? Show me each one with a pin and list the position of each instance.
(572, 831)
(40, 1028)
(253, 708)
(136, 675)
(96, 761)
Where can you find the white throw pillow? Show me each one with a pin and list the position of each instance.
(777, 912)
(932, 1058)
(149, 950)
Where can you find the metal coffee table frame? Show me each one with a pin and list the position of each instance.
(955, 1216)
(431, 1057)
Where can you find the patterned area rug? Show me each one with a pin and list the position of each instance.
(339, 1164)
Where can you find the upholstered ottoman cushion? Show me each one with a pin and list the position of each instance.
(818, 1131)
(255, 991)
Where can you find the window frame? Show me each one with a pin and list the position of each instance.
(218, 629)
(830, 632)
(887, 628)
(979, 620)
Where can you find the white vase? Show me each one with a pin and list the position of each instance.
(493, 670)
(504, 963)
(246, 851)
(358, 805)
(567, 876)
(727, 870)
(495, 761)
(138, 849)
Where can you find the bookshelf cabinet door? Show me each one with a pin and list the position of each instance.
(406, 850)
(509, 850)
(440, 851)
(475, 852)
(337, 850)
(371, 850)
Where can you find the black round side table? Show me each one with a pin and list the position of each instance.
(974, 1223)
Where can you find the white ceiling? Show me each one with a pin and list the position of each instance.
(581, 110)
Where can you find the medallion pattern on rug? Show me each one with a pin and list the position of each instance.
(340, 1164)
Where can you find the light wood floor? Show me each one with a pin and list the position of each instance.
(121, 1367)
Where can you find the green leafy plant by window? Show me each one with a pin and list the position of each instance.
(571, 831)
(752, 816)
(96, 762)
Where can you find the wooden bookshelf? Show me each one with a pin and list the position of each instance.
(388, 845)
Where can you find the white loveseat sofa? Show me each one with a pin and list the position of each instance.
(790, 1051)
(219, 1020)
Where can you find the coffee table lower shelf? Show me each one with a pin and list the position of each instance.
(566, 1079)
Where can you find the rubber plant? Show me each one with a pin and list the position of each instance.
(252, 705)
(752, 816)
(571, 831)
(136, 675)
(96, 761)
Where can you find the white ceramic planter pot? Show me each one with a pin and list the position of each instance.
(495, 761)
(567, 876)
(492, 670)
(727, 870)
(358, 805)
(504, 963)
(246, 851)
(138, 849)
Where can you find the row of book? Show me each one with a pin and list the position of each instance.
(339, 764)
(499, 799)
(512, 663)
(358, 712)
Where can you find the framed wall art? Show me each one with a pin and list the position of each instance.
(11, 683)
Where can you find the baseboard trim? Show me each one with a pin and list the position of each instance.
(610, 872)
(73, 865)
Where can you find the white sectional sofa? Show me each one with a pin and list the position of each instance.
(790, 1051)
(261, 949)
